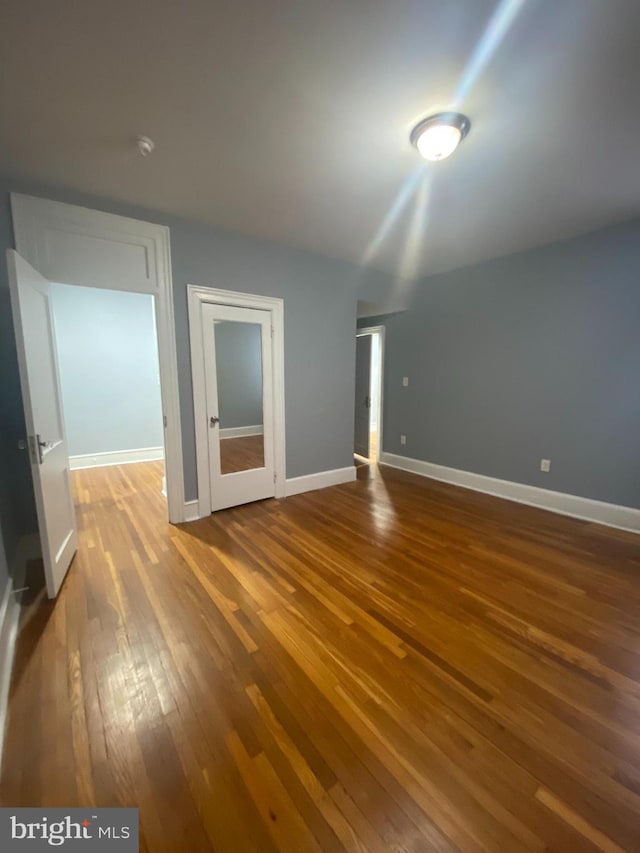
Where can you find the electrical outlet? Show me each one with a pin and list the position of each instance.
(403, 439)
(545, 465)
(405, 381)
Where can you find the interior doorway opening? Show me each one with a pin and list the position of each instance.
(78, 246)
(237, 360)
(368, 394)
(109, 371)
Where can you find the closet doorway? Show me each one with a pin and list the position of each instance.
(238, 391)
(368, 397)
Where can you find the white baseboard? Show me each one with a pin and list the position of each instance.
(28, 549)
(612, 515)
(116, 457)
(240, 432)
(191, 510)
(309, 482)
(293, 486)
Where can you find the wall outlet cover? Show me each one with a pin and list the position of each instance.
(545, 465)
(403, 439)
(405, 381)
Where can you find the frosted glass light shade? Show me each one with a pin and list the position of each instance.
(438, 141)
(438, 136)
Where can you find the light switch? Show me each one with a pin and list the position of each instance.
(405, 381)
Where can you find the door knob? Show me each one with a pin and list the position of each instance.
(213, 420)
(36, 446)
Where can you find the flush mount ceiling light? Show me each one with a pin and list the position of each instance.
(439, 135)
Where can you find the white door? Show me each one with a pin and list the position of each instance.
(240, 417)
(37, 360)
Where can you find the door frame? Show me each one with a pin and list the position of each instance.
(379, 330)
(37, 222)
(198, 296)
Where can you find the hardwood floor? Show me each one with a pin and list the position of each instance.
(390, 665)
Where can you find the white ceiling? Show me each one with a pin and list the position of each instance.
(289, 119)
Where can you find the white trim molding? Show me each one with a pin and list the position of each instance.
(241, 432)
(115, 457)
(77, 245)
(191, 510)
(197, 297)
(600, 512)
(310, 482)
(28, 549)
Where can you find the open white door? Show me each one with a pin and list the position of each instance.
(43, 415)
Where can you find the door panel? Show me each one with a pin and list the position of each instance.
(239, 391)
(363, 399)
(37, 360)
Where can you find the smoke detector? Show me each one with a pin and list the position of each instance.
(145, 145)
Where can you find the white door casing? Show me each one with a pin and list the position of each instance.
(232, 489)
(37, 360)
(75, 245)
(198, 298)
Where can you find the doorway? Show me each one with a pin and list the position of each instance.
(237, 358)
(90, 248)
(368, 394)
(88, 362)
(77, 246)
(107, 354)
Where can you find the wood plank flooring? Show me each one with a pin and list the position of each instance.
(390, 665)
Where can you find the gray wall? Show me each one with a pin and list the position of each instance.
(108, 362)
(239, 374)
(532, 356)
(319, 318)
(319, 321)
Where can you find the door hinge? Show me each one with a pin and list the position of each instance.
(272, 332)
(164, 420)
(275, 476)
